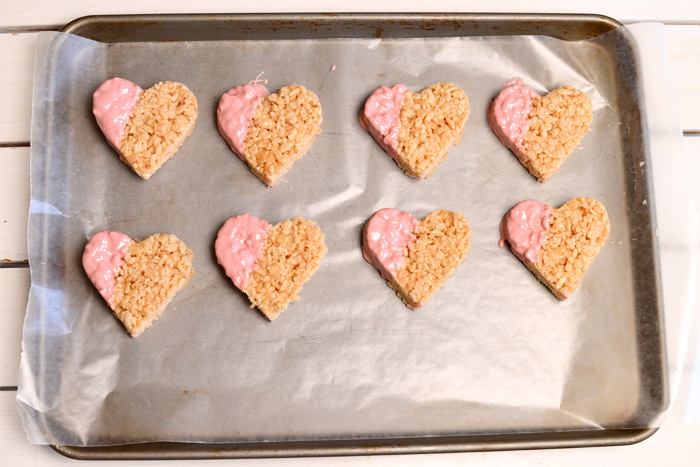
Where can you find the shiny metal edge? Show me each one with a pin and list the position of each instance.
(134, 28)
(430, 445)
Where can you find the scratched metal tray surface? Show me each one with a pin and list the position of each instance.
(638, 323)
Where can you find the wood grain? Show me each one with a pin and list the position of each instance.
(14, 203)
(683, 44)
(14, 290)
(17, 65)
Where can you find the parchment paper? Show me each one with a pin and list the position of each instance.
(494, 351)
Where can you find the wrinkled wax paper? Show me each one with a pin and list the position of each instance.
(494, 350)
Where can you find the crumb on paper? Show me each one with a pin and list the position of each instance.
(333, 68)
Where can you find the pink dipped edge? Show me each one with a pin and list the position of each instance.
(380, 117)
(525, 228)
(239, 246)
(508, 115)
(386, 238)
(236, 110)
(102, 259)
(113, 104)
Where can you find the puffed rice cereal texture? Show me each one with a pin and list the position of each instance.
(556, 125)
(282, 131)
(442, 242)
(430, 123)
(152, 273)
(292, 252)
(163, 119)
(576, 235)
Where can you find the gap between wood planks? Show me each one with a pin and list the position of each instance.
(7, 264)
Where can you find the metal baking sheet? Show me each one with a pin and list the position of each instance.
(479, 368)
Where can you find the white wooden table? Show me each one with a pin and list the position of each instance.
(21, 20)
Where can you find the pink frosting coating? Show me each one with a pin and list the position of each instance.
(236, 110)
(113, 103)
(102, 259)
(508, 115)
(380, 117)
(239, 245)
(386, 238)
(525, 228)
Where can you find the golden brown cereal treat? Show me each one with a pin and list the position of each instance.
(269, 132)
(145, 127)
(137, 279)
(270, 264)
(557, 245)
(416, 130)
(541, 131)
(416, 258)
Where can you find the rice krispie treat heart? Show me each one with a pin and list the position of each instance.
(416, 258)
(416, 130)
(270, 264)
(146, 127)
(137, 279)
(557, 245)
(269, 132)
(541, 131)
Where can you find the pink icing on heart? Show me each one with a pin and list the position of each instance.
(380, 117)
(239, 245)
(113, 104)
(525, 228)
(102, 259)
(236, 110)
(508, 115)
(386, 238)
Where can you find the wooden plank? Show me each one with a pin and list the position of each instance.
(692, 160)
(683, 43)
(43, 12)
(14, 203)
(17, 65)
(14, 293)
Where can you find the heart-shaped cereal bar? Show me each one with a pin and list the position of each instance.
(269, 132)
(416, 258)
(541, 131)
(270, 264)
(137, 279)
(146, 127)
(416, 130)
(557, 245)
